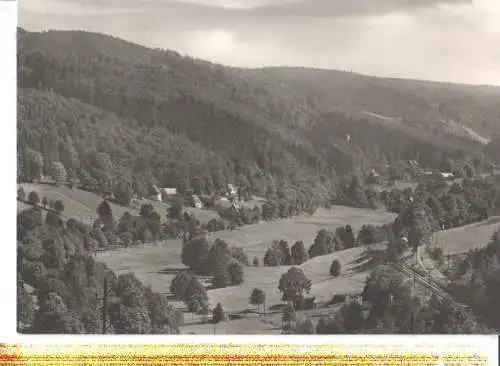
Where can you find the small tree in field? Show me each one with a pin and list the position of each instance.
(335, 268)
(236, 274)
(218, 315)
(256, 262)
(175, 210)
(258, 297)
(299, 253)
(33, 198)
(293, 284)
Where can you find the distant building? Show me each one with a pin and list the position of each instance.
(196, 201)
(447, 175)
(231, 190)
(169, 191)
(413, 163)
(166, 193)
(108, 195)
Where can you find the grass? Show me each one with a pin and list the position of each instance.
(256, 239)
(460, 240)
(324, 286)
(156, 265)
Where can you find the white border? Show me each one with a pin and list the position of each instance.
(8, 80)
(483, 345)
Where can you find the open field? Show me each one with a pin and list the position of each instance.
(462, 239)
(157, 265)
(355, 268)
(82, 205)
(147, 261)
(256, 239)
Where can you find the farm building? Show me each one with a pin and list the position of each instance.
(167, 193)
(108, 195)
(196, 201)
(447, 175)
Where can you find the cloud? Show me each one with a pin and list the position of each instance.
(426, 39)
(335, 8)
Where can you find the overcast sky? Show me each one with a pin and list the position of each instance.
(446, 40)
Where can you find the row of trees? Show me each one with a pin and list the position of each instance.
(34, 200)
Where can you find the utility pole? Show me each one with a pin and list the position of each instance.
(105, 304)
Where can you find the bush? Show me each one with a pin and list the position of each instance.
(236, 274)
(59, 206)
(256, 262)
(335, 268)
(33, 198)
(272, 258)
(54, 220)
(309, 303)
(337, 299)
(215, 225)
(238, 254)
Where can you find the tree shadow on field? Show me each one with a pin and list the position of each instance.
(364, 262)
(491, 221)
(369, 265)
(170, 270)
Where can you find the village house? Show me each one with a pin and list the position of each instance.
(196, 201)
(231, 190)
(167, 193)
(447, 175)
(107, 195)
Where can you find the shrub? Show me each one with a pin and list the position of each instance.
(59, 206)
(238, 254)
(337, 299)
(33, 198)
(335, 268)
(272, 258)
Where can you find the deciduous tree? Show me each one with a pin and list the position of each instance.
(293, 284)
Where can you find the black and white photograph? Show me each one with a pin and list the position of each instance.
(258, 167)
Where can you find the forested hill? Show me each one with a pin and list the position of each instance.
(464, 110)
(107, 108)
